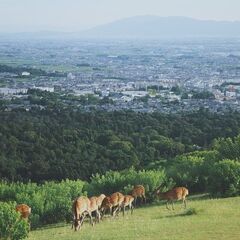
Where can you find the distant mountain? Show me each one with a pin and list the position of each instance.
(143, 27)
(160, 27)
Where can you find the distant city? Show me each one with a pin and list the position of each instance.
(143, 76)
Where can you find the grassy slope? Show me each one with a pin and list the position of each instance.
(215, 219)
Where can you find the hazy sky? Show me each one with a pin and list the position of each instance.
(75, 15)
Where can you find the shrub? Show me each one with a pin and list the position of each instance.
(50, 202)
(192, 169)
(225, 178)
(11, 225)
(124, 181)
(189, 171)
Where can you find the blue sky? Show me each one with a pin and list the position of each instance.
(76, 15)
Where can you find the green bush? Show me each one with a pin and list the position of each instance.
(11, 225)
(192, 170)
(188, 171)
(124, 181)
(224, 178)
(50, 202)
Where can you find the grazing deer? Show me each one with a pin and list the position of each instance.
(178, 193)
(139, 192)
(128, 202)
(24, 210)
(111, 202)
(81, 207)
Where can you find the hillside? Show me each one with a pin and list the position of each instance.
(215, 219)
(59, 144)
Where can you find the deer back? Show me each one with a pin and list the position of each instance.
(24, 210)
(138, 191)
(128, 199)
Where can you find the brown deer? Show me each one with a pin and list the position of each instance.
(139, 192)
(100, 200)
(128, 202)
(81, 207)
(111, 202)
(178, 193)
(94, 207)
(24, 210)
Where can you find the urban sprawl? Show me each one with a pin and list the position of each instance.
(143, 76)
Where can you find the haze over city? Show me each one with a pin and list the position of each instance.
(75, 15)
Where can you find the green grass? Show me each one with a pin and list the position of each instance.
(203, 219)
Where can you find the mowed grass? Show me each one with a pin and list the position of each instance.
(203, 219)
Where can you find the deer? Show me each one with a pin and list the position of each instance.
(113, 201)
(177, 193)
(139, 192)
(100, 200)
(94, 207)
(81, 207)
(24, 210)
(128, 202)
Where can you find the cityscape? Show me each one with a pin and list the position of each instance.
(143, 76)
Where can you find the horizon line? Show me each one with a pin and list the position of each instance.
(58, 31)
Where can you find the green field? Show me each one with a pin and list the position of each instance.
(213, 219)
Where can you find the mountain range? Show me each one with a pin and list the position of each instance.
(160, 27)
(144, 27)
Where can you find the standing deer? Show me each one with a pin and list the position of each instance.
(94, 207)
(100, 200)
(128, 202)
(178, 193)
(111, 202)
(139, 192)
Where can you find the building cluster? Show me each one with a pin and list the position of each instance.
(144, 76)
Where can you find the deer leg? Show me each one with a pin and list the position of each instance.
(111, 211)
(167, 205)
(118, 210)
(78, 227)
(73, 223)
(172, 205)
(184, 203)
(103, 213)
(145, 200)
(114, 212)
(82, 219)
(98, 216)
(124, 208)
(132, 209)
(91, 219)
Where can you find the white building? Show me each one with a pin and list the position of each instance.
(26, 74)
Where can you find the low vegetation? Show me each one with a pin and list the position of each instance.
(12, 227)
(50, 202)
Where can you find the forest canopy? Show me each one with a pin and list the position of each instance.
(64, 143)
